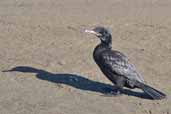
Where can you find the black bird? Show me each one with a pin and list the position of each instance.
(116, 66)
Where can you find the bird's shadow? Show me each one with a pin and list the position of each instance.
(75, 81)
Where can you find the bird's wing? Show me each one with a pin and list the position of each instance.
(118, 63)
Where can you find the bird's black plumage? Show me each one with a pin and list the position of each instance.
(116, 66)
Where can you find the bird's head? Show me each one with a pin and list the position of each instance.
(102, 33)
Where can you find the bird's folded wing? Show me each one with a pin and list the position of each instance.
(118, 63)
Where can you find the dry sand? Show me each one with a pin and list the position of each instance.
(57, 73)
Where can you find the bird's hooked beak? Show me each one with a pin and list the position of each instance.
(92, 32)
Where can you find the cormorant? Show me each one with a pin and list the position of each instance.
(116, 66)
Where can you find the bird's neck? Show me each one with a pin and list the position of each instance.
(107, 45)
(106, 41)
(103, 46)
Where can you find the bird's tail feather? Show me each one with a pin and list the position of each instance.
(155, 94)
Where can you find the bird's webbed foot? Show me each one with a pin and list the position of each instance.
(109, 92)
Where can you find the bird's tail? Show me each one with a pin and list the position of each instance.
(155, 94)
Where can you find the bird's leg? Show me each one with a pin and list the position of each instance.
(116, 91)
(119, 84)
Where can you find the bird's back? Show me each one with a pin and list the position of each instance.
(114, 63)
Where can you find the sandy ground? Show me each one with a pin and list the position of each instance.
(55, 71)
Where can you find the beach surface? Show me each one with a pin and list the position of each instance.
(43, 42)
